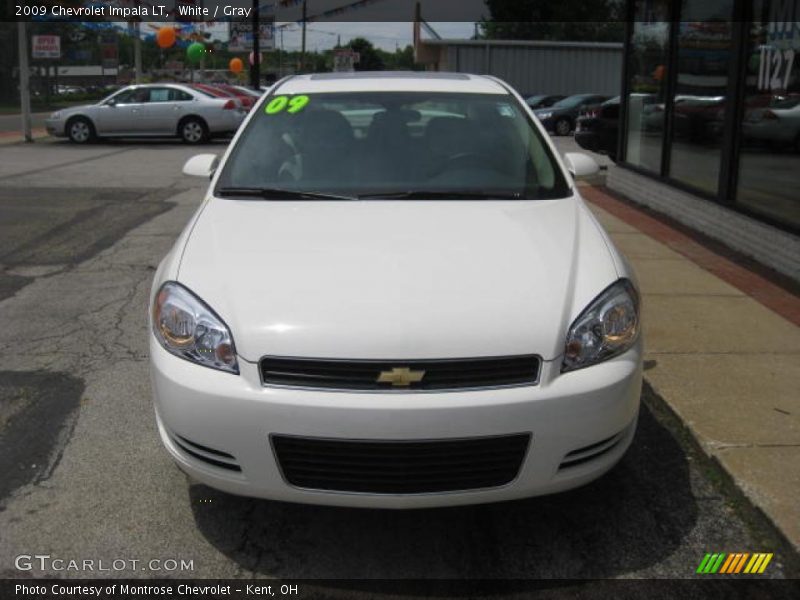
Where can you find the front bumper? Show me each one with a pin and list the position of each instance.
(237, 415)
(548, 124)
(55, 127)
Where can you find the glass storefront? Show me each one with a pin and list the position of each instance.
(699, 98)
(647, 67)
(769, 159)
(713, 105)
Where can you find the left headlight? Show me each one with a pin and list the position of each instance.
(185, 326)
(606, 328)
(56, 115)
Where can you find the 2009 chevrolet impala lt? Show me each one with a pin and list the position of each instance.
(393, 295)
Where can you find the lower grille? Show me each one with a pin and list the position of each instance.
(216, 458)
(400, 467)
(399, 375)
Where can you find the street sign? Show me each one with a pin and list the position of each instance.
(46, 46)
(109, 51)
(344, 60)
(241, 35)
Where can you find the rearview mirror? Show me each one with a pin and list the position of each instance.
(201, 165)
(580, 164)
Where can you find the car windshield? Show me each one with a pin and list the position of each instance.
(570, 102)
(392, 145)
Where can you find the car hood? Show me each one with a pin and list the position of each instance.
(556, 111)
(396, 279)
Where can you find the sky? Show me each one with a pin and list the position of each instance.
(372, 24)
(388, 36)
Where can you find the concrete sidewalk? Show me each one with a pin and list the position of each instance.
(723, 350)
(15, 137)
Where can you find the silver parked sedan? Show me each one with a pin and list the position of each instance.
(152, 110)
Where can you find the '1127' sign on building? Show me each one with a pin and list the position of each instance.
(777, 56)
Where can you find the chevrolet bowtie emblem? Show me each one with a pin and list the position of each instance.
(400, 377)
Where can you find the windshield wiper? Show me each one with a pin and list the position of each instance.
(442, 195)
(269, 193)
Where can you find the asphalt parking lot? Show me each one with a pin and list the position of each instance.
(81, 232)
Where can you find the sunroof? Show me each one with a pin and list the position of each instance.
(391, 75)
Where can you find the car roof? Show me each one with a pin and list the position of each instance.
(390, 81)
(139, 86)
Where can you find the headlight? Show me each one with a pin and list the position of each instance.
(607, 327)
(186, 327)
(545, 115)
(56, 115)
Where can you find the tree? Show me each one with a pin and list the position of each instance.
(566, 20)
(399, 60)
(369, 58)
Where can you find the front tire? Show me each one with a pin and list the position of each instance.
(80, 130)
(193, 131)
(563, 126)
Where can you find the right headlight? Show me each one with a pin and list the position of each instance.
(606, 328)
(185, 326)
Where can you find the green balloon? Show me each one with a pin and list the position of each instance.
(195, 51)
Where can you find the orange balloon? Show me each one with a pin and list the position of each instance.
(165, 37)
(236, 65)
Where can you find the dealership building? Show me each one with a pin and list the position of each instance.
(710, 121)
(710, 111)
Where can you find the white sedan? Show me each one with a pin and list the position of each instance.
(780, 123)
(411, 310)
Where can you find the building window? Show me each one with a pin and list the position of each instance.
(647, 79)
(705, 49)
(769, 159)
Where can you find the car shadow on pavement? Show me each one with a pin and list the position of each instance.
(626, 521)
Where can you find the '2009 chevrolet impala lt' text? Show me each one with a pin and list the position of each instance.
(393, 295)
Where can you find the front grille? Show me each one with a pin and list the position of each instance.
(400, 467)
(398, 375)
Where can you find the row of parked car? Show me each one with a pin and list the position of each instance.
(772, 119)
(593, 117)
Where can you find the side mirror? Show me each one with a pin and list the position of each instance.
(581, 165)
(111, 102)
(201, 165)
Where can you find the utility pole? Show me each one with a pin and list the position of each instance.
(303, 50)
(280, 57)
(24, 81)
(255, 68)
(137, 51)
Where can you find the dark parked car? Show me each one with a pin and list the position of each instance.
(542, 100)
(560, 118)
(597, 129)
